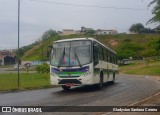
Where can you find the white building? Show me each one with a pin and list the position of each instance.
(68, 31)
(104, 32)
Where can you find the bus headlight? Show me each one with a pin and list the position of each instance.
(53, 74)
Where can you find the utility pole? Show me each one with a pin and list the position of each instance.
(18, 39)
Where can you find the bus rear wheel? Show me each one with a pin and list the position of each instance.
(66, 88)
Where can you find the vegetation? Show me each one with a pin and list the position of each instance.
(43, 68)
(90, 32)
(38, 52)
(8, 81)
(139, 68)
(38, 47)
(126, 45)
(152, 50)
(155, 11)
(129, 49)
(136, 28)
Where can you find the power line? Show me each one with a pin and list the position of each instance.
(82, 5)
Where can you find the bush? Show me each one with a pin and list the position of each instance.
(44, 68)
(127, 40)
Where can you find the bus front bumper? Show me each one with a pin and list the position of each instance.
(83, 80)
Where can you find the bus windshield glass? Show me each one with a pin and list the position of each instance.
(71, 53)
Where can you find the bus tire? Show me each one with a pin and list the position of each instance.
(66, 88)
(100, 85)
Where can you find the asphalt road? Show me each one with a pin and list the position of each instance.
(128, 89)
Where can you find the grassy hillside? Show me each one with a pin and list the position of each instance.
(38, 52)
(140, 68)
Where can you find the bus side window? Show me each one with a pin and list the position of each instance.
(111, 56)
(108, 55)
(105, 54)
(114, 59)
(95, 54)
(101, 56)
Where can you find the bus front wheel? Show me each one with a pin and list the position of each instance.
(66, 88)
(114, 78)
(100, 85)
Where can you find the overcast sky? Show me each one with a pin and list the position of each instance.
(37, 17)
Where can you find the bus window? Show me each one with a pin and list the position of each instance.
(95, 54)
(100, 53)
(105, 55)
(113, 58)
(109, 56)
(116, 59)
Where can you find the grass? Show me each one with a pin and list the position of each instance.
(8, 81)
(6, 66)
(140, 68)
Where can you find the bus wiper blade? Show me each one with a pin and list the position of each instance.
(62, 56)
(78, 59)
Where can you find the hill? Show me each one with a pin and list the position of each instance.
(38, 51)
(140, 68)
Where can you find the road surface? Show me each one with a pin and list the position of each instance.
(127, 90)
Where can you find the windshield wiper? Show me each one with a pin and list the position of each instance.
(78, 59)
(62, 56)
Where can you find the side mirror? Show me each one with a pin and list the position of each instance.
(49, 48)
(48, 54)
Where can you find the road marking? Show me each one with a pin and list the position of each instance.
(136, 102)
(144, 99)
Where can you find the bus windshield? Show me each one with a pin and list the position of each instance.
(71, 53)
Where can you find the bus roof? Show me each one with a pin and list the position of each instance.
(92, 39)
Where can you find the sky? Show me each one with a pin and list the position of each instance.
(38, 16)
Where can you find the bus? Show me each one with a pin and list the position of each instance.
(82, 61)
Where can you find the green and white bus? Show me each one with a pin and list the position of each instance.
(82, 61)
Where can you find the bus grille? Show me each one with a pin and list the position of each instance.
(68, 76)
(75, 81)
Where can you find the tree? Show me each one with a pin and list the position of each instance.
(127, 50)
(152, 50)
(136, 27)
(125, 54)
(155, 11)
(48, 34)
(90, 32)
(148, 54)
(155, 45)
(20, 53)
